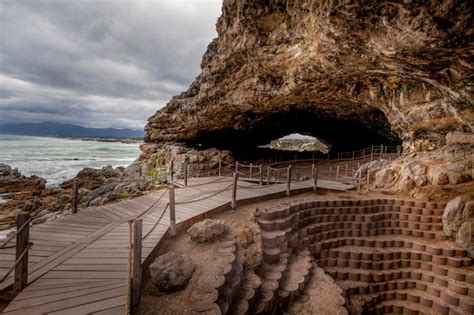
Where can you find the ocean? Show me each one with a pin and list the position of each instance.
(58, 159)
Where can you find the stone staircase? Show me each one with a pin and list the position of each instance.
(388, 255)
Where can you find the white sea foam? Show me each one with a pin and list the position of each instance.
(60, 159)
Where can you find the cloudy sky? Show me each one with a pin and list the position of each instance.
(99, 63)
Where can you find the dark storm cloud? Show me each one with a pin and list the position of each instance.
(99, 63)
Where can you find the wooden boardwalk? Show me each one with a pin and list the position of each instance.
(78, 264)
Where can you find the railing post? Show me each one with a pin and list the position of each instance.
(172, 212)
(236, 166)
(372, 154)
(337, 173)
(338, 156)
(363, 153)
(288, 181)
(330, 172)
(368, 180)
(381, 151)
(360, 182)
(260, 168)
(171, 170)
(347, 169)
(353, 155)
(315, 178)
(137, 263)
(74, 196)
(269, 174)
(220, 167)
(251, 170)
(233, 204)
(185, 174)
(22, 241)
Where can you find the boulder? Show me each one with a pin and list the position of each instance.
(206, 230)
(439, 177)
(458, 177)
(171, 271)
(452, 215)
(465, 237)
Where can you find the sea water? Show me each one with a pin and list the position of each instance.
(58, 159)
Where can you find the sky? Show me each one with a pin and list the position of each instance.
(99, 63)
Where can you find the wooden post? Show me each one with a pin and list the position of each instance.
(288, 181)
(233, 204)
(347, 168)
(328, 156)
(360, 182)
(137, 263)
(338, 156)
(172, 212)
(372, 154)
(22, 241)
(219, 173)
(337, 173)
(381, 151)
(368, 180)
(251, 170)
(330, 172)
(313, 157)
(269, 174)
(363, 153)
(186, 174)
(315, 178)
(74, 196)
(260, 169)
(353, 155)
(171, 170)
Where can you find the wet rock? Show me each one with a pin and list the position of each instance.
(206, 230)
(452, 215)
(465, 237)
(11, 180)
(171, 271)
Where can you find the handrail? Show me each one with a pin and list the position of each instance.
(9, 238)
(16, 262)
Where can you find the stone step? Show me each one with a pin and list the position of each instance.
(360, 284)
(251, 286)
(271, 276)
(427, 304)
(297, 275)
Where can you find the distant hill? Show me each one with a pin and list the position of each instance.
(67, 130)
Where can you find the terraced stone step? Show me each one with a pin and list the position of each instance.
(292, 285)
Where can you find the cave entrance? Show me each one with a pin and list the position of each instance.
(340, 132)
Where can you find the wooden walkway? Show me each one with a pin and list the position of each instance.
(78, 264)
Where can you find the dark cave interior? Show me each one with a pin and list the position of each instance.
(253, 129)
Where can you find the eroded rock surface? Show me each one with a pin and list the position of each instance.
(206, 230)
(171, 271)
(329, 69)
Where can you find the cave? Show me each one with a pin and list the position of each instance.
(251, 130)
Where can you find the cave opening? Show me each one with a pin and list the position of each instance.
(343, 133)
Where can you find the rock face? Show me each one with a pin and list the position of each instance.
(206, 230)
(346, 72)
(11, 180)
(465, 237)
(171, 271)
(453, 215)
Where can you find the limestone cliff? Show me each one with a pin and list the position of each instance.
(352, 73)
(379, 68)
